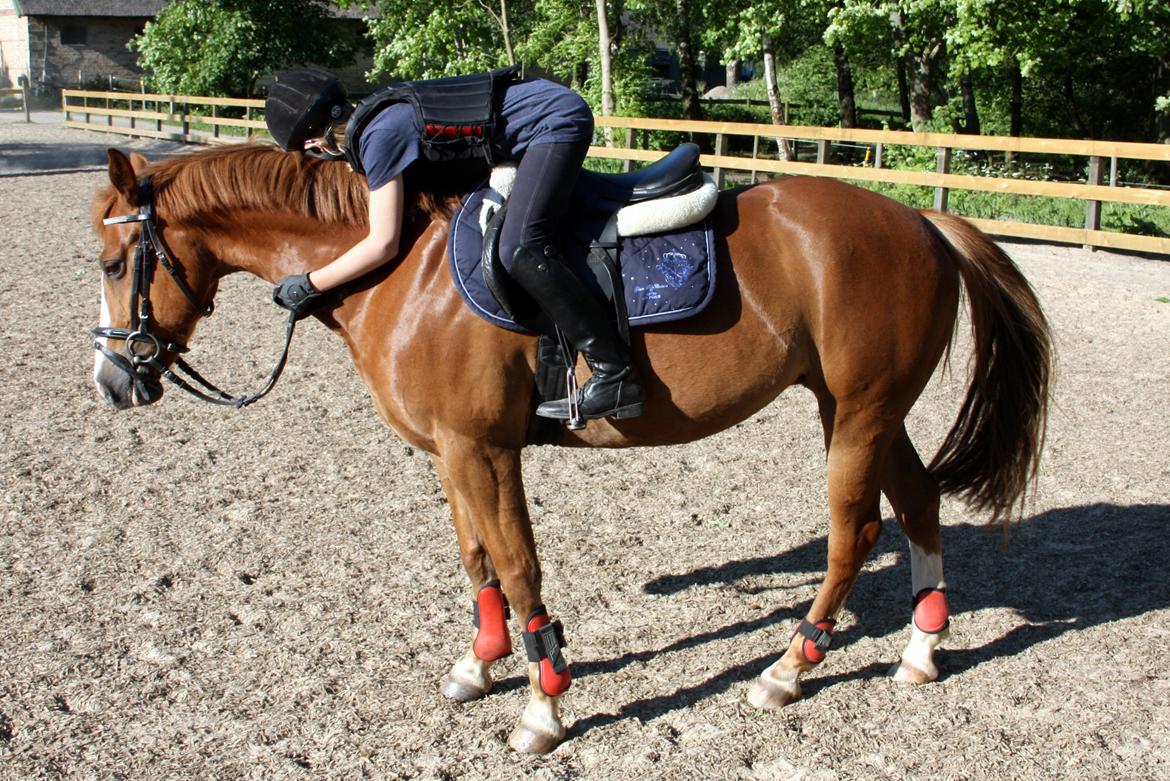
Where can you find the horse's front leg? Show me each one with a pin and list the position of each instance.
(470, 677)
(486, 486)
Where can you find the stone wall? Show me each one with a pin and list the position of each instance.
(83, 51)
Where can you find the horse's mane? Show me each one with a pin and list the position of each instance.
(218, 180)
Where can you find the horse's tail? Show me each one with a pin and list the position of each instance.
(993, 449)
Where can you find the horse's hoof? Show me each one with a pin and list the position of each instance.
(526, 740)
(461, 691)
(904, 672)
(768, 694)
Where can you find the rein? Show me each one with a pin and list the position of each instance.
(141, 363)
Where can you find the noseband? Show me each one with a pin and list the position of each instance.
(144, 345)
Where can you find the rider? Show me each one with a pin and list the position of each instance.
(548, 128)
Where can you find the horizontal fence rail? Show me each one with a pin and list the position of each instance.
(230, 120)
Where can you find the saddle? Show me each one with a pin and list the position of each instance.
(643, 211)
(670, 194)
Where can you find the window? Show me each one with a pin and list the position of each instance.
(73, 35)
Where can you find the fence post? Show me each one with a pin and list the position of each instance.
(755, 156)
(1093, 208)
(214, 124)
(823, 147)
(628, 163)
(942, 194)
(877, 155)
(186, 123)
(248, 116)
(721, 151)
(23, 82)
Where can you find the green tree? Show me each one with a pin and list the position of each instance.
(1149, 24)
(222, 47)
(426, 40)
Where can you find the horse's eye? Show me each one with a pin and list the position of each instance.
(113, 267)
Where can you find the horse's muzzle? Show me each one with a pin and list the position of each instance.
(123, 384)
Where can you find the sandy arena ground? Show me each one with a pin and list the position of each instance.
(188, 591)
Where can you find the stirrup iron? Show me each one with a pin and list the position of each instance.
(574, 423)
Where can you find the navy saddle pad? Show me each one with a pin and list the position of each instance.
(666, 276)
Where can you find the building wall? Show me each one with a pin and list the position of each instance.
(13, 45)
(83, 51)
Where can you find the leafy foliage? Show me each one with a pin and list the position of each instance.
(222, 47)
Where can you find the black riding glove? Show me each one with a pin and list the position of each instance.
(297, 295)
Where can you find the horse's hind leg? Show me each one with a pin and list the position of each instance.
(858, 437)
(470, 678)
(914, 495)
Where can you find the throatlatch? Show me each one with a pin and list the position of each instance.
(544, 641)
(931, 611)
(818, 639)
(490, 614)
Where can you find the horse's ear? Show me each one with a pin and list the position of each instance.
(123, 176)
(139, 162)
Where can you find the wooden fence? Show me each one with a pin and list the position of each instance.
(21, 92)
(202, 120)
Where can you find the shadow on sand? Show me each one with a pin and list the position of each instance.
(1063, 570)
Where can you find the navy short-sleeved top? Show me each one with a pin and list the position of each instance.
(534, 111)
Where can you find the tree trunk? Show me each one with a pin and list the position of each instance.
(1070, 97)
(1017, 102)
(903, 89)
(1015, 109)
(686, 61)
(606, 68)
(732, 69)
(783, 149)
(1162, 118)
(507, 32)
(970, 123)
(846, 101)
(921, 89)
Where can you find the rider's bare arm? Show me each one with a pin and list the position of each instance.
(379, 246)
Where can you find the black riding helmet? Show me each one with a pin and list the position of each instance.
(302, 104)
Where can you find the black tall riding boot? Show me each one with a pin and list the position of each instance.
(615, 389)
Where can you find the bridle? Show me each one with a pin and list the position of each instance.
(144, 345)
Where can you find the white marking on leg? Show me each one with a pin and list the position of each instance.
(776, 687)
(542, 715)
(926, 570)
(917, 664)
(540, 729)
(473, 671)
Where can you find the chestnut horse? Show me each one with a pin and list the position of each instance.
(819, 283)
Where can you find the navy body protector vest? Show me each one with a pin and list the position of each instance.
(455, 116)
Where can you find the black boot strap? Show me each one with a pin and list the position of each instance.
(546, 643)
(820, 638)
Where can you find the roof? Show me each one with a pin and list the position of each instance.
(141, 9)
